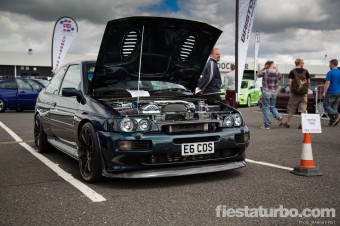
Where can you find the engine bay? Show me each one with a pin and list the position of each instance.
(173, 110)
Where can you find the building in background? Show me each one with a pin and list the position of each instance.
(318, 71)
(38, 65)
(31, 64)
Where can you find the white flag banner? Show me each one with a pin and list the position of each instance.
(256, 50)
(246, 18)
(65, 30)
(257, 45)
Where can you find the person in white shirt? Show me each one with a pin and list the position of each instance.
(229, 87)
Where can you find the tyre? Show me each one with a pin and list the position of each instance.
(40, 137)
(2, 105)
(248, 101)
(89, 154)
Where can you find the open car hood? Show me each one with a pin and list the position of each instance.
(169, 49)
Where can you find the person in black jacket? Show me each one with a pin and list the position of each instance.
(210, 81)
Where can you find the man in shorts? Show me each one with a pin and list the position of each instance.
(298, 98)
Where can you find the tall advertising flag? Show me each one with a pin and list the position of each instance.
(256, 49)
(246, 13)
(65, 30)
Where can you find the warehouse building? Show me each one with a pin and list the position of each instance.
(38, 65)
(31, 64)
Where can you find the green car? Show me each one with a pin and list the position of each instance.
(248, 94)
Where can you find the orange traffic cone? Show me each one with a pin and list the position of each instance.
(307, 167)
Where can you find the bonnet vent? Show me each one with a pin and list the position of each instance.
(187, 48)
(129, 43)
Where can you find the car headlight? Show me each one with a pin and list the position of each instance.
(242, 93)
(233, 120)
(144, 124)
(237, 120)
(128, 125)
(228, 121)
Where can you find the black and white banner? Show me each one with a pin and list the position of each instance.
(245, 24)
(65, 30)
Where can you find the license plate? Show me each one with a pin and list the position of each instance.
(198, 148)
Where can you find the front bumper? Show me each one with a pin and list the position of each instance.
(155, 152)
(178, 171)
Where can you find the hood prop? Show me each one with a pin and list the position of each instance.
(139, 70)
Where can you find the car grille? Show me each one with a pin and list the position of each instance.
(189, 128)
(178, 158)
(141, 145)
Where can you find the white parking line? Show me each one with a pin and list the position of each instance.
(269, 164)
(87, 191)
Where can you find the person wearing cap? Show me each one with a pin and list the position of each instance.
(331, 93)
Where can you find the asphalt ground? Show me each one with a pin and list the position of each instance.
(33, 194)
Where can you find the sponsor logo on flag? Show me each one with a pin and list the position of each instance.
(246, 19)
(65, 30)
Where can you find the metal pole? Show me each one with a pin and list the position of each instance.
(255, 60)
(236, 48)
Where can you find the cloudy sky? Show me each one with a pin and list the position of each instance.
(308, 29)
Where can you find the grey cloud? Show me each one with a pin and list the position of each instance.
(98, 11)
(289, 28)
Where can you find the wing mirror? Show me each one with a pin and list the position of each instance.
(72, 92)
(69, 92)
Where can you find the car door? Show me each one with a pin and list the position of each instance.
(47, 105)
(66, 107)
(253, 94)
(26, 95)
(8, 93)
(283, 97)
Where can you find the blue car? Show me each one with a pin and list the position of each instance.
(19, 93)
(132, 113)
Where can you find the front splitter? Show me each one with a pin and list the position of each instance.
(178, 171)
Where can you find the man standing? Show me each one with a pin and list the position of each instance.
(299, 81)
(229, 87)
(210, 81)
(270, 82)
(331, 92)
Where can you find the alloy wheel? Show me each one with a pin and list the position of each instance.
(2, 105)
(37, 131)
(86, 156)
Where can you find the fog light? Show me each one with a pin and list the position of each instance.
(246, 137)
(125, 145)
